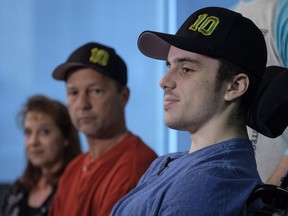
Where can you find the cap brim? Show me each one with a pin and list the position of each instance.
(156, 45)
(60, 72)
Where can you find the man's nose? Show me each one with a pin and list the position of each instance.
(168, 81)
(83, 101)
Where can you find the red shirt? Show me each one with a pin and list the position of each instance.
(93, 187)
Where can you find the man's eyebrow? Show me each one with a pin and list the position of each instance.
(186, 59)
(69, 87)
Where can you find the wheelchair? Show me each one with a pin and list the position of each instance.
(274, 199)
(268, 115)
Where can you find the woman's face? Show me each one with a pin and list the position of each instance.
(44, 142)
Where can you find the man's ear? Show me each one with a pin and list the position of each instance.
(237, 87)
(125, 93)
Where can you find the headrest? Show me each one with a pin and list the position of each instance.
(268, 114)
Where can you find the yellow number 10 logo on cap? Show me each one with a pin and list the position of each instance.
(99, 56)
(205, 24)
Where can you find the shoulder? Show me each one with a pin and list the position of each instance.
(14, 189)
(130, 159)
(78, 160)
(211, 185)
(75, 165)
(136, 142)
(12, 199)
(137, 149)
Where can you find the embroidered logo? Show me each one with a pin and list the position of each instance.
(99, 56)
(205, 24)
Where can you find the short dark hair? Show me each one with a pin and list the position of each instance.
(227, 70)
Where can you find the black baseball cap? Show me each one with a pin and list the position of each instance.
(97, 56)
(215, 32)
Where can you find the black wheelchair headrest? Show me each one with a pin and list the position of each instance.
(268, 114)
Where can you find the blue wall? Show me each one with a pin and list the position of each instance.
(36, 36)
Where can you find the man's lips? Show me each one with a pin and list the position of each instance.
(169, 100)
(86, 119)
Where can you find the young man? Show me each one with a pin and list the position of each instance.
(215, 63)
(97, 93)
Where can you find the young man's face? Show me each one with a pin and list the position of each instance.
(191, 98)
(95, 105)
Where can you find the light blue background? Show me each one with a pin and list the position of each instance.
(38, 35)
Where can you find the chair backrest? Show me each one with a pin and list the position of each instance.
(274, 199)
(268, 115)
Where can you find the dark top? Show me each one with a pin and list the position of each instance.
(16, 204)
